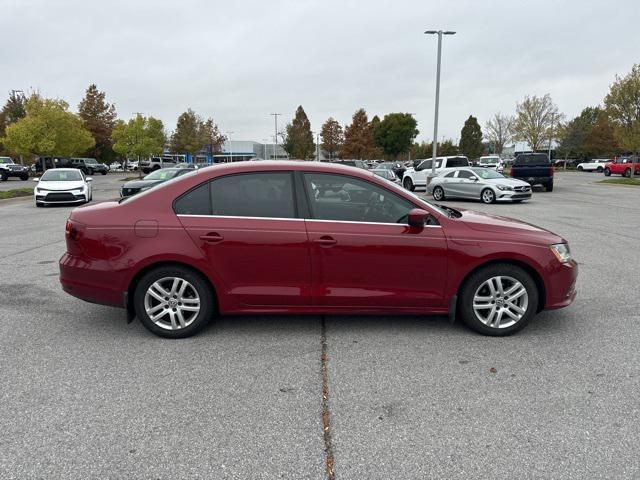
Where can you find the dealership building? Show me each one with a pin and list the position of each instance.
(234, 151)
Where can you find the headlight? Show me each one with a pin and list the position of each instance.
(561, 251)
(504, 187)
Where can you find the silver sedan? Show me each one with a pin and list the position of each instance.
(482, 184)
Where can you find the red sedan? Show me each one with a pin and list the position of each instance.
(308, 238)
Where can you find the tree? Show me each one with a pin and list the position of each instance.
(535, 121)
(140, 137)
(499, 131)
(395, 133)
(213, 138)
(332, 137)
(47, 129)
(189, 135)
(358, 138)
(298, 142)
(471, 138)
(447, 147)
(601, 139)
(12, 111)
(425, 150)
(623, 106)
(573, 134)
(99, 118)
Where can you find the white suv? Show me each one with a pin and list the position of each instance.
(595, 165)
(416, 177)
(491, 161)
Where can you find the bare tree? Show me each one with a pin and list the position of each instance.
(536, 119)
(499, 131)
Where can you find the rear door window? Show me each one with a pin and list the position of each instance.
(195, 202)
(268, 194)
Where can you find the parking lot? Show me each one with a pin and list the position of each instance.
(85, 395)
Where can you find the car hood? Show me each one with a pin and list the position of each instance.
(484, 222)
(511, 182)
(61, 186)
(142, 183)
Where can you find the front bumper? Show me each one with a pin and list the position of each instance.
(561, 285)
(509, 196)
(52, 198)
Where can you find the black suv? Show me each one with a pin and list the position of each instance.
(535, 169)
(89, 166)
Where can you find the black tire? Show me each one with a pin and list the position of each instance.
(103, 172)
(438, 194)
(3, 177)
(24, 177)
(206, 295)
(549, 187)
(155, 167)
(607, 172)
(627, 173)
(487, 196)
(580, 168)
(599, 169)
(407, 183)
(475, 280)
(39, 205)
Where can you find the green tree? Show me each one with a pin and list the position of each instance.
(395, 133)
(623, 106)
(140, 137)
(298, 141)
(189, 135)
(471, 138)
(99, 117)
(358, 138)
(47, 129)
(535, 120)
(332, 137)
(572, 135)
(12, 111)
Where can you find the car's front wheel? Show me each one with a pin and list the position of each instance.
(607, 172)
(438, 194)
(599, 169)
(488, 196)
(498, 299)
(580, 168)
(627, 173)
(408, 184)
(173, 301)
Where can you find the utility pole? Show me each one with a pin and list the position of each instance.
(13, 93)
(551, 135)
(275, 118)
(139, 114)
(230, 146)
(317, 147)
(435, 121)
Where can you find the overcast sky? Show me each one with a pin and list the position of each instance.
(238, 61)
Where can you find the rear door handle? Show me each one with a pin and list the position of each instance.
(212, 238)
(326, 241)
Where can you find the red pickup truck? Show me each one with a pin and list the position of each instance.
(622, 166)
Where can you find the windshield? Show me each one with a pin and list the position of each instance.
(61, 176)
(6, 160)
(487, 174)
(489, 160)
(534, 159)
(90, 161)
(162, 174)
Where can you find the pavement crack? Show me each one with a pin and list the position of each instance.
(326, 411)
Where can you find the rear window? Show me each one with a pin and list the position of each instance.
(194, 202)
(533, 159)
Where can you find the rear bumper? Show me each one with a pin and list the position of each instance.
(90, 280)
(535, 180)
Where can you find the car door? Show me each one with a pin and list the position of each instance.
(469, 184)
(248, 228)
(363, 252)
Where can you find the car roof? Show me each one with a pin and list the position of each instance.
(265, 165)
(64, 169)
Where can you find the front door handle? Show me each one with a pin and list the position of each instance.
(326, 241)
(212, 237)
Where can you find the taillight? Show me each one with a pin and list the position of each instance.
(73, 233)
(553, 170)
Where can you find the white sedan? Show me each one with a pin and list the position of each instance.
(62, 185)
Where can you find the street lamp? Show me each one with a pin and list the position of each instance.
(230, 147)
(411, 145)
(435, 122)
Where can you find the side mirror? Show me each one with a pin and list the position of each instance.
(89, 179)
(36, 179)
(417, 217)
(474, 179)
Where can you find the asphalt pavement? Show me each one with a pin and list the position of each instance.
(85, 395)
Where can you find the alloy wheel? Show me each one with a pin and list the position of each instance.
(438, 193)
(488, 196)
(500, 302)
(172, 303)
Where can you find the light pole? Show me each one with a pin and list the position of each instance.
(317, 147)
(230, 147)
(13, 92)
(275, 119)
(435, 121)
(410, 145)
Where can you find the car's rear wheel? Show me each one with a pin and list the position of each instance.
(3, 177)
(408, 184)
(103, 172)
(488, 196)
(607, 172)
(599, 169)
(173, 301)
(627, 173)
(438, 194)
(498, 300)
(549, 187)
